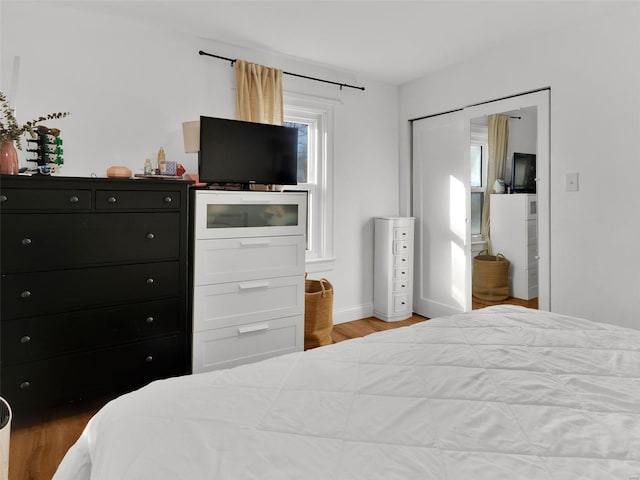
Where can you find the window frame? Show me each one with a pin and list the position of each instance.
(480, 136)
(318, 113)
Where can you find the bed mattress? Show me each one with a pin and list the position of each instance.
(498, 393)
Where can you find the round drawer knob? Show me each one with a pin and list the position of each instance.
(25, 294)
(25, 385)
(3, 198)
(26, 241)
(150, 319)
(25, 339)
(74, 199)
(112, 199)
(150, 281)
(167, 199)
(149, 359)
(150, 236)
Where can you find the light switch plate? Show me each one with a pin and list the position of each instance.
(571, 182)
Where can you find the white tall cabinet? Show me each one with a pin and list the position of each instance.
(513, 232)
(248, 267)
(393, 268)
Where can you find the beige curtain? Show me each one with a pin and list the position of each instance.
(258, 93)
(498, 140)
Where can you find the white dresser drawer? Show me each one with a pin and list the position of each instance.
(236, 303)
(401, 247)
(249, 214)
(400, 287)
(401, 273)
(401, 303)
(402, 233)
(400, 260)
(237, 259)
(231, 346)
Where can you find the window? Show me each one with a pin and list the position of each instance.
(314, 120)
(479, 162)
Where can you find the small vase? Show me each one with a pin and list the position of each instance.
(8, 158)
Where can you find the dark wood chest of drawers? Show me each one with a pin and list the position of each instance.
(93, 287)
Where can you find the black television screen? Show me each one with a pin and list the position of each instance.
(523, 173)
(235, 151)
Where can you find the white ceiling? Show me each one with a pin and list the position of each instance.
(391, 41)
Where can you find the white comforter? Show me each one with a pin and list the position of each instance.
(500, 393)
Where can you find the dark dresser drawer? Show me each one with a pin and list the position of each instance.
(128, 199)
(37, 338)
(39, 241)
(19, 199)
(41, 293)
(70, 378)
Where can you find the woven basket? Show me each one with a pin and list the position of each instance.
(490, 277)
(318, 313)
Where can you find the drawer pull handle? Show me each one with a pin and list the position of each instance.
(25, 339)
(26, 241)
(253, 328)
(25, 294)
(149, 319)
(150, 281)
(150, 236)
(253, 285)
(74, 199)
(149, 359)
(112, 199)
(168, 199)
(255, 243)
(3, 198)
(25, 385)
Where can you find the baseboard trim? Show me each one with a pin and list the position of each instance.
(349, 314)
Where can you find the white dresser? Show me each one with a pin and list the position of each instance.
(248, 276)
(393, 268)
(514, 233)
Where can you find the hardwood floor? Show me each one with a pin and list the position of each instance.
(39, 443)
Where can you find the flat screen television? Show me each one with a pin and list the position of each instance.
(523, 173)
(235, 151)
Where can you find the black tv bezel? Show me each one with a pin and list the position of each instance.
(291, 179)
(522, 189)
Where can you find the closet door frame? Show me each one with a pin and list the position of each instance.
(539, 99)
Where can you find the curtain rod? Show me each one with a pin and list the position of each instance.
(233, 61)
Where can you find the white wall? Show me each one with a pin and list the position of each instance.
(129, 86)
(594, 75)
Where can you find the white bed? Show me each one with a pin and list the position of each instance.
(499, 393)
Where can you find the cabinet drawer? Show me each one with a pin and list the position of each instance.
(41, 242)
(402, 233)
(135, 199)
(402, 286)
(401, 247)
(400, 260)
(19, 199)
(237, 259)
(237, 303)
(401, 303)
(249, 214)
(227, 347)
(29, 339)
(40, 293)
(401, 273)
(64, 379)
